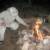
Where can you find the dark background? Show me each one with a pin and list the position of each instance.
(7, 3)
(20, 4)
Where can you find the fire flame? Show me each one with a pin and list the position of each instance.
(38, 35)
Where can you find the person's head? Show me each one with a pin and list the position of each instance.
(13, 11)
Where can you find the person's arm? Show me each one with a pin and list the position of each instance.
(21, 21)
(14, 13)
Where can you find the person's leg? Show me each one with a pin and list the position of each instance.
(2, 33)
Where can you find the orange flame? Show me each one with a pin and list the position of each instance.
(38, 35)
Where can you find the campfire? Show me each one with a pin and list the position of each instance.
(34, 38)
(38, 35)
